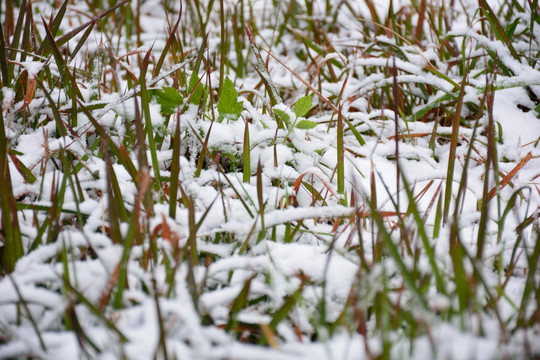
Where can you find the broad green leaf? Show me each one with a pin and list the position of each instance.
(168, 98)
(305, 124)
(228, 104)
(302, 106)
(283, 116)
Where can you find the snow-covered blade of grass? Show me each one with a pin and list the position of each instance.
(270, 179)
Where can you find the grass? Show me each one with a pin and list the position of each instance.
(195, 163)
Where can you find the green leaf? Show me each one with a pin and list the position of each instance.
(196, 87)
(306, 124)
(168, 98)
(537, 110)
(283, 116)
(228, 104)
(302, 106)
(499, 133)
(284, 311)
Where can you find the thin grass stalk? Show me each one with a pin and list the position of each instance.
(74, 89)
(4, 64)
(195, 4)
(33, 322)
(145, 104)
(460, 197)
(13, 246)
(239, 303)
(340, 158)
(138, 23)
(533, 19)
(162, 344)
(479, 278)
(490, 160)
(192, 255)
(395, 93)
(66, 279)
(27, 34)
(531, 286)
(70, 174)
(260, 200)
(21, 168)
(45, 48)
(238, 33)
(8, 17)
(497, 28)
(57, 21)
(133, 234)
(17, 35)
(120, 153)
(428, 248)
(202, 155)
(221, 171)
(68, 82)
(288, 305)
(57, 200)
(129, 25)
(457, 254)
(246, 155)
(262, 70)
(453, 146)
(52, 26)
(395, 254)
(175, 169)
(223, 44)
(169, 43)
(72, 318)
(99, 314)
(114, 202)
(512, 204)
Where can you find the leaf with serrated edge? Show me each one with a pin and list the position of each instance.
(168, 98)
(228, 104)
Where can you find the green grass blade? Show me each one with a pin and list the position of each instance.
(4, 65)
(23, 170)
(115, 203)
(220, 169)
(10, 230)
(169, 43)
(283, 312)
(238, 304)
(497, 28)
(397, 257)
(145, 104)
(120, 153)
(246, 155)
(28, 313)
(340, 158)
(428, 248)
(175, 169)
(261, 69)
(453, 146)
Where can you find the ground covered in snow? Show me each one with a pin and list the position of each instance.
(270, 180)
